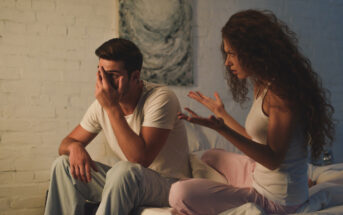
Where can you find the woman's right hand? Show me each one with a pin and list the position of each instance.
(215, 105)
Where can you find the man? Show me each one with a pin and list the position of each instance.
(139, 120)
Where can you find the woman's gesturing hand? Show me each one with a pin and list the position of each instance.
(215, 105)
(210, 122)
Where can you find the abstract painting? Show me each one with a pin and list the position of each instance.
(162, 30)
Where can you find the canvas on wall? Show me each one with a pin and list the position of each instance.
(162, 31)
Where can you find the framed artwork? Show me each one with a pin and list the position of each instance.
(162, 31)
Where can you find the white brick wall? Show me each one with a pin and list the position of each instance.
(47, 75)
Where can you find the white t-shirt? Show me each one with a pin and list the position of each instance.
(157, 107)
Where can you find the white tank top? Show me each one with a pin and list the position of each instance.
(286, 185)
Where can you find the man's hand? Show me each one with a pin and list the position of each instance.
(80, 163)
(106, 95)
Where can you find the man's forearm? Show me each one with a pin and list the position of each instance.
(67, 144)
(132, 145)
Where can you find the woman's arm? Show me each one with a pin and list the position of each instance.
(280, 126)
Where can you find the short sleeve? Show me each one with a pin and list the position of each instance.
(90, 120)
(160, 110)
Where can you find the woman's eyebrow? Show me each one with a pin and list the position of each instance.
(227, 50)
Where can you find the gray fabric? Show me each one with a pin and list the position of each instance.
(120, 189)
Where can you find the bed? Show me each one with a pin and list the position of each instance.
(326, 197)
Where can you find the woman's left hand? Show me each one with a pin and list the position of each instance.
(215, 105)
(210, 122)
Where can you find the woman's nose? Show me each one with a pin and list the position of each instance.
(227, 61)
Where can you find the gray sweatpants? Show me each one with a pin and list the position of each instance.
(119, 189)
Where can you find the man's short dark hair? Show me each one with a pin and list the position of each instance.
(119, 49)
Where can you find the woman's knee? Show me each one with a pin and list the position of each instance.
(211, 156)
(180, 193)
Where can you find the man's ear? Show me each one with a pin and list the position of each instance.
(135, 75)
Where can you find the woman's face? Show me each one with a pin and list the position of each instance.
(232, 61)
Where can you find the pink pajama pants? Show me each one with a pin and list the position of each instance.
(202, 196)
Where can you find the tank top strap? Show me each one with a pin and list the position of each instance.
(264, 91)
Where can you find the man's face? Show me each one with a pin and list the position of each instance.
(113, 70)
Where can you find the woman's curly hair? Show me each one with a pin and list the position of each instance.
(267, 50)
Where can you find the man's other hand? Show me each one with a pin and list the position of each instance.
(80, 163)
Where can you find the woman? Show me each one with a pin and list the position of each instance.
(289, 112)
